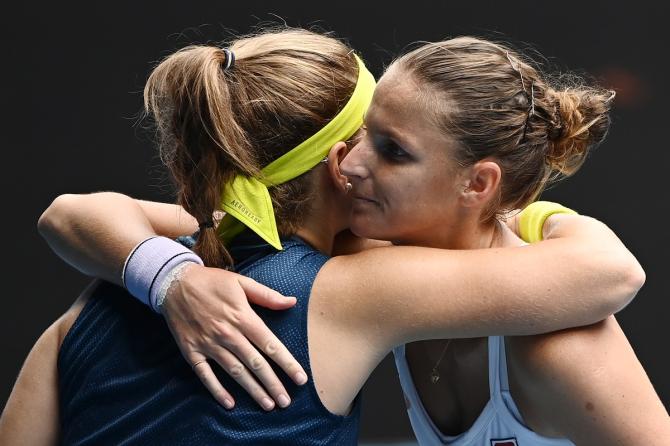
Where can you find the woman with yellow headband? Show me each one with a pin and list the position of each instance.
(228, 140)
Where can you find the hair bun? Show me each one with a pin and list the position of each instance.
(581, 122)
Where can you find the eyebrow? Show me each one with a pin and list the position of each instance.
(391, 134)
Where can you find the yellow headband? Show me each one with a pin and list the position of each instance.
(246, 200)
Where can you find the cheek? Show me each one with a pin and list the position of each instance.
(430, 195)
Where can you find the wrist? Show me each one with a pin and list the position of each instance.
(150, 264)
(170, 285)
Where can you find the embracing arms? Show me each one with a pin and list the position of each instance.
(96, 232)
(579, 275)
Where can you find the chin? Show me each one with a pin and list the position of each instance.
(365, 227)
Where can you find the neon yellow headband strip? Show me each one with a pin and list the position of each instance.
(246, 200)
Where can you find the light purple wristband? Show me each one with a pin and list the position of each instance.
(150, 263)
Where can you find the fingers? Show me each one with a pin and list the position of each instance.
(258, 366)
(264, 296)
(244, 378)
(264, 339)
(206, 375)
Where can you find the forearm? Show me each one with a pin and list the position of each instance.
(95, 232)
(579, 276)
(612, 267)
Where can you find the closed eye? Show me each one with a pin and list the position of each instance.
(391, 151)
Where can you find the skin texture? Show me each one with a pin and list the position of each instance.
(35, 393)
(379, 298)
(554, 378)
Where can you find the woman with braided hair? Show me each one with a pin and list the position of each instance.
(458, 133)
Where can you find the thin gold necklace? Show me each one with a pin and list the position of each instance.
(435, 373)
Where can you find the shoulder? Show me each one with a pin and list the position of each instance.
(558, 362)
(549, 375)
(60, 328)
(572, 383)
(290, 271)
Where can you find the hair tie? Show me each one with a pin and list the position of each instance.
(206, 224)
(230, 59)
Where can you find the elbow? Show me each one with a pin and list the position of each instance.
(55, 219)
(634, 278)
(628, 280)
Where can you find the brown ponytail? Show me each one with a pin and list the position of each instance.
(215, 123)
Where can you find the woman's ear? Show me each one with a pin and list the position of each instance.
(482, 183)
(335, 157)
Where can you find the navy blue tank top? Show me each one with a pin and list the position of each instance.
(123, 380)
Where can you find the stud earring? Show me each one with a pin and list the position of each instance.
(348, 187)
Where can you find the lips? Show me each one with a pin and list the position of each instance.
(364, 199)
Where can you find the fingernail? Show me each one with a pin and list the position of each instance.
(268, 404)
(300, 378)
(227, 403)
(283, 400)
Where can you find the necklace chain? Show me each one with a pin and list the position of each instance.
(435, 373)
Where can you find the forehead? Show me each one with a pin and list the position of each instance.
(402, 106)
(399, 93)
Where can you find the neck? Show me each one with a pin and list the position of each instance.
(469, 233)
(324, 221)
(318, 237)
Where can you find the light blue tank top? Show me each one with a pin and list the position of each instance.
(499, 424)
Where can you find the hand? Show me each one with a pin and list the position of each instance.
(209, 315)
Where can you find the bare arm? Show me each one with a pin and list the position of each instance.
(401, 294)
(586, 384)
(96, 232)
(31, 416)
(34, 397)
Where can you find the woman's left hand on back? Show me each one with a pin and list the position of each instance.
(209, 314)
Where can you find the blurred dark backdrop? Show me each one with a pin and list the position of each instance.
(72, 80)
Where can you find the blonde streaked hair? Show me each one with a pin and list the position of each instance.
(213, 124)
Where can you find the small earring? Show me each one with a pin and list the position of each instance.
(348, 187)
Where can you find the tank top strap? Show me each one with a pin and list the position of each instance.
(494, 376)
(497, 366)
(502, 364)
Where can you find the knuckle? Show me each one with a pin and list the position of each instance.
(271, 347)
(276, 389)
(236, 317)
(256, 362)
(202, 375)
(294, 368)
(199, 374)
(267, 294)
(226, 332)
(220, 394)
(236, 370)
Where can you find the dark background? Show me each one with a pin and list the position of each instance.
(72, 81)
